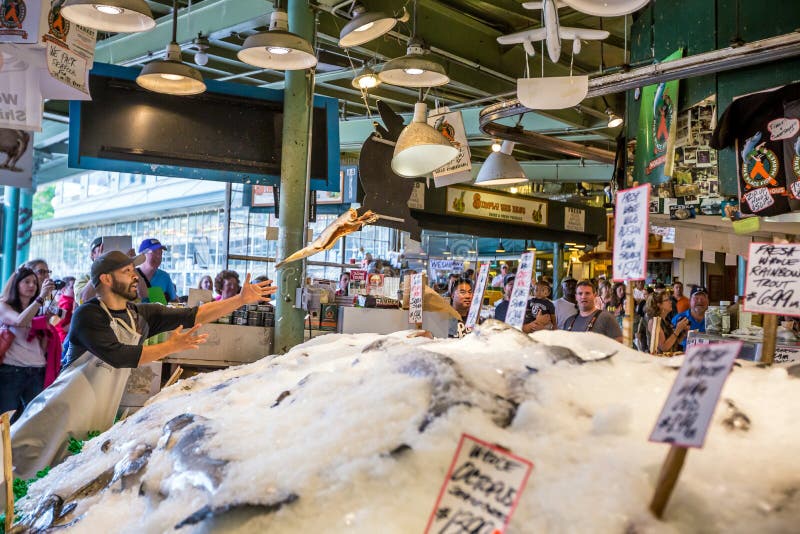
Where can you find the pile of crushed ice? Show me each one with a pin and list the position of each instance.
(355, 433)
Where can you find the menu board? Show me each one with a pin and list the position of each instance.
(477, 296)
(685, 416)
(631, 226)
(521, 293)
(481, 490)
(415, 300)
(772, 283)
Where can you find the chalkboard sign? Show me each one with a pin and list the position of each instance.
(772, 282)
(631, 226)
(685, 416)
(481, 491)
(232, 132)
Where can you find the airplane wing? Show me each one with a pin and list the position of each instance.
(565, 32)
(534, 34)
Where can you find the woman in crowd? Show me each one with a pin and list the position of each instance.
(227, 284)
(603, 297)
(22, 373)
(344, 284)
(657, 309)
(616, 304)
(206, 283)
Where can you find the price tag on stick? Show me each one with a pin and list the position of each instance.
(477, 296)
(685, 417)
(481, 490)
(515, 316)
(415, 300)
(631, 227)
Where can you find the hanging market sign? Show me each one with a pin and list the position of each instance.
(20, 96)
(477, 297)
(415, 300)
(518, 304)
(451, 125)
(20, 21)
(772, 281)
(17, 147)
(574, 219)
(631, 233)
(485, 205)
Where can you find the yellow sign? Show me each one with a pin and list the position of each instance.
(487, 205)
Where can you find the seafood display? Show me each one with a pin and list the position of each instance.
(355, 434)
(347, 223)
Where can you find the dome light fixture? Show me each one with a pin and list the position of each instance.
(366, 26)
(171, 76)
(200, 44)
(500, 248)
(415, 69)
(420, 148)
(500, 168)
(278, 48)
(120, 16)
(614, 120)
(366, 79)
(496, 146)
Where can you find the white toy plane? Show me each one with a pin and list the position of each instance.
(551, 32)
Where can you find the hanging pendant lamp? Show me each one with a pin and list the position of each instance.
(278, 48)
(171, 76)
(420, 148)
(123, 16)
(366, 79)
(366, 26)
(416, 69)
(500, 168)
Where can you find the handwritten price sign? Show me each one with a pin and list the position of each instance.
(521, 293)
(630, 233)
(477, 297)
(772, 283)
(685, 417)
(481, 491)
(415, 300)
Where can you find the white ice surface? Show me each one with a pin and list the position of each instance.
(585, 428)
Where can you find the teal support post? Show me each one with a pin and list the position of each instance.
(10, 217)
(25, 225)
(741, 274)
(297, 105)
(557, 261)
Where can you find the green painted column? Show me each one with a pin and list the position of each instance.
(25, 225)
(10, 218)
(297, 105)
(557, 259)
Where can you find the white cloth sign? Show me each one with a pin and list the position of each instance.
(16, 158)
(772, 282)
(630, 234)
(415, 300)
(20, 96)
(515, 316)
(685, 416)
(477, 296)
(464, 504)
(20, 21)
(451, 125)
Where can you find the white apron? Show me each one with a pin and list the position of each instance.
(84, 397)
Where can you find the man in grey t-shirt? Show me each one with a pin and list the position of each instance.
(588, 318)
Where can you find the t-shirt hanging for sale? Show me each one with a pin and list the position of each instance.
(763, 128)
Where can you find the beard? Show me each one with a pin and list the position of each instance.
(127, 291)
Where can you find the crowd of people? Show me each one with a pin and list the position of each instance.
(37, 310)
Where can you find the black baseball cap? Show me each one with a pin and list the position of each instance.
(110, 262)
(509, 278)
(698, 289)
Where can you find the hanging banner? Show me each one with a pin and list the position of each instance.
(574, 219)
(20, 21)
(467, 202)
(465, 503)
(631, 225)
(477, 296)
(70, 50)
(772, 281)
(518, 303)
(685, 416)
(20, 96)
(16, 155)
(655, 148)
(451, 125)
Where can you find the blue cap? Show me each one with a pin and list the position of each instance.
(151, 244)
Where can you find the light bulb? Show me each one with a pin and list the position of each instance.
(513, 190)
(278, 50)
(201, 58)
(108, 10)
(171, 77)
(367, 81)
(496, 147)
(365, 27)
(413, 72)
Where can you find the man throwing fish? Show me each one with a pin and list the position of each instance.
(106, 341)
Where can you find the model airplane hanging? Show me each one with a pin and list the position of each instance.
(552, 32)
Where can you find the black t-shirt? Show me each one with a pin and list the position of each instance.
(534, 307)
(762, 129)
(90, 330)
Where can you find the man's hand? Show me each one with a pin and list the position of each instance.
(252, 293)
(181, 340)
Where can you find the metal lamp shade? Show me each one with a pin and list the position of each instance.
(614, 120)
(500, 168)
(420, 148)
(259, 50)
(124, 16)
(607, 8)
(366, 79)
(415, 69)
(171, 76)
(365, 27)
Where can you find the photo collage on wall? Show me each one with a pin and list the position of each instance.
(695, 161)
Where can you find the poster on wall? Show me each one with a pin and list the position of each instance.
(16, 158)
(655, 148)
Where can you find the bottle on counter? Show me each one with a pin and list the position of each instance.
(725, 317)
